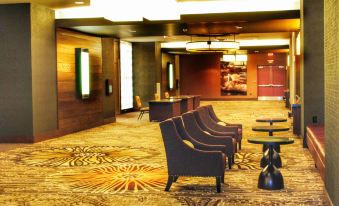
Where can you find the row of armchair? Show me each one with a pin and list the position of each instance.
(198, 143)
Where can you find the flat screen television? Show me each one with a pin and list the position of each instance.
(82, 73)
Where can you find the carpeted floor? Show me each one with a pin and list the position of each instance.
(124, 164)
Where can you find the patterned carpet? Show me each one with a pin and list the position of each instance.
(124, 164)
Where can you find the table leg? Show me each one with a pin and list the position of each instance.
(270, 178)
(265, 147)
(276, 159)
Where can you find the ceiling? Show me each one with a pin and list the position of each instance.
(245, 25)
(54, 4)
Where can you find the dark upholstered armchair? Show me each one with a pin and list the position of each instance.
(207, 124)
(183, 160)
(193, 129)
(218, 120)
(226, 147)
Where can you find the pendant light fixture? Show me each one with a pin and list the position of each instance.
(212, 46)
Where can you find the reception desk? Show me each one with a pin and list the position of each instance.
(186, 104)
(160, 110)
(196, 101)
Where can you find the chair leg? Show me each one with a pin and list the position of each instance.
(142, 114)
(175, 178)
(139, 116)
(229, 160)
(169, 183)
(218, 180)
(233, 157)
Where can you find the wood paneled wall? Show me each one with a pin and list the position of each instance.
(75, 114)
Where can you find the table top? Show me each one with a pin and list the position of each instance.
(165, 101)
(181, 97)
(274, 119)
(271, 140)
(270, 128)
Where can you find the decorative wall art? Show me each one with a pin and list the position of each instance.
(233, 79)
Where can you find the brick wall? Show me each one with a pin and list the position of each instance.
(331, 19)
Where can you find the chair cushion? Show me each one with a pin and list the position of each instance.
(188, 143)
(222, 123)
(144, 109)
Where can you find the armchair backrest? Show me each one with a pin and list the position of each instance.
(200, 120)
(180, 128)
(182, 131)
(138, 102)
(194, 129)
(212, 113)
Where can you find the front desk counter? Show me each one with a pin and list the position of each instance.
(160, 110)
(186, 104)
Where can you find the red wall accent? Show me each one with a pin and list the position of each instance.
(200, 74)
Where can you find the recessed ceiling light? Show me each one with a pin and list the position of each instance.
(79, 2)
(132, 31)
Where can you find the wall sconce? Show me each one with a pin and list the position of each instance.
(170, 76)
(82, 73)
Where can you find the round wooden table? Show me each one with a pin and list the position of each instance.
(271, 120)
(270, 129)
(270, 177)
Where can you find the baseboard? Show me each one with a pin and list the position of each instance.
(47, 135)
(16, 139)
(50, 134)
(109, 120)
(327, 198)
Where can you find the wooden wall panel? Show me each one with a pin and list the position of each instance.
(75, 114)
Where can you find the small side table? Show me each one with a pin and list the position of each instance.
(270, 177)
(270, 129)
(271, 120)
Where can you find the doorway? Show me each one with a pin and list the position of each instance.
(271, 82)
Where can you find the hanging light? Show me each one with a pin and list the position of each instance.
(211, 46)
(234, 57)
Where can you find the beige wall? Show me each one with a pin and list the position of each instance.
(44, 89)
(312, 62)
(331, 11)
(28, 73)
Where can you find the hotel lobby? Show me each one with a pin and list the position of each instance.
(172, 102)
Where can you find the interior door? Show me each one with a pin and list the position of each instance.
(271, 82)
(278, 80)
(264, 81)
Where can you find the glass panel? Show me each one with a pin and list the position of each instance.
(126, 75)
